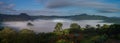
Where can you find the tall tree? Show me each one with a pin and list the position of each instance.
(75, 26)
(58, 27)
(98, 26)
(105, 26)
(88, 26)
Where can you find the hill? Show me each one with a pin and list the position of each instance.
(25, 17)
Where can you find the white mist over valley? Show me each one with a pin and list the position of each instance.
(40, 25)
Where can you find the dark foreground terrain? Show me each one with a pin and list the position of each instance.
(73, 34)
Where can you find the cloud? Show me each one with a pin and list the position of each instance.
(1, 3)
(96, 4)
(5, 7)
(109, 10)
(57, 3)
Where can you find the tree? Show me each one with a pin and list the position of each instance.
(100, 38)
(26, 36)
(75, 32)
(1, 27)
(62, 41)
(103, 29)
(113, 31)
(87, 26)
(8, 35)
(75, 26)
(98, 26)
(47, 38)
(58, 27)
(30, 25)
(66, 31)
(105, 26)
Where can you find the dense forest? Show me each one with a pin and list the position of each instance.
(26, 17)
(74, 34)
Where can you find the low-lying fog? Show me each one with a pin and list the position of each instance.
(48, 25)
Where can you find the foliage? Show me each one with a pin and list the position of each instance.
(74, 34)
(62, 41)
(7, 35)
(113, 31)
(26, 36)
(58, 28)
(1, 27)
(47, 38)
(30, 24)
(75, 26)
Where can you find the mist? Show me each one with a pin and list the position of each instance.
(48, 25)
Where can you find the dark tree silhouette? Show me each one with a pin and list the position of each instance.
(30, 24)
(58, 27)
(75, 26)
(98, 26)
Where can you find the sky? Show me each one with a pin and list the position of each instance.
(61, 7)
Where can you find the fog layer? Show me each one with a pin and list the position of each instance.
(48, 25)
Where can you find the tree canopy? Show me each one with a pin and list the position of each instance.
(73, 34)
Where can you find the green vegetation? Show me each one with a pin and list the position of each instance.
(74, 34)
(58, 29)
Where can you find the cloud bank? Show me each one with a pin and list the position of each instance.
(6, 7)
(91, 4)
(60, 7)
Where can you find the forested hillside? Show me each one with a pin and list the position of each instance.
(73, 34)
(26, 17)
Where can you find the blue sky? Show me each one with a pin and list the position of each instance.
(61, 7)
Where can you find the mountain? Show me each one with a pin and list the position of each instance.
(25, 17)
(21, 17)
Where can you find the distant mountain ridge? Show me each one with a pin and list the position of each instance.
(25, 17)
